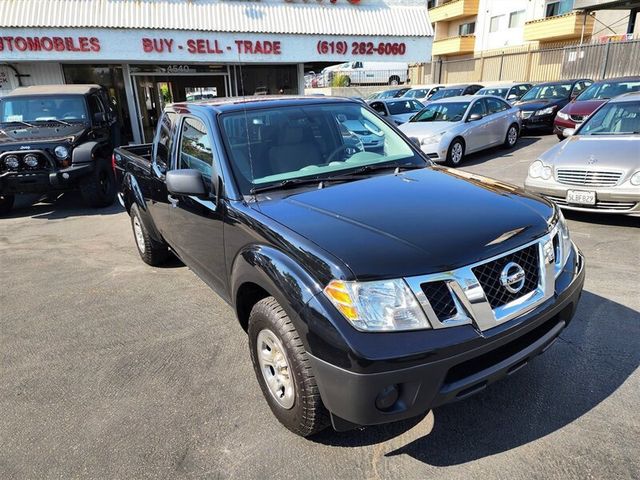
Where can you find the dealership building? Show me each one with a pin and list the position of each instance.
(151, 52)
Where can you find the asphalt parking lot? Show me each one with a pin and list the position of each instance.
(113, 369)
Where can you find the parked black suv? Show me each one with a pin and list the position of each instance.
(373, 285)
(56, 138)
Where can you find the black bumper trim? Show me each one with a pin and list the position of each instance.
(43, 181)
(351, 396)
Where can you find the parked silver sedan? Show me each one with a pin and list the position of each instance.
(448, 129)
(596, 169)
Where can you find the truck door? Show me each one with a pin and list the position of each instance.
(153, 183)
(197, 225)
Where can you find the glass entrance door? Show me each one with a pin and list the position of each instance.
(155, 91)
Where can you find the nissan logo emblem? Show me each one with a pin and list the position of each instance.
(512, 277)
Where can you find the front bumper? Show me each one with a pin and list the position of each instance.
(620, 199)
(454, 370)
(436, 152)
(559, 125)
(12, 183)
(537, 122)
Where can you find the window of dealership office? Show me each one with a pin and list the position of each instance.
(154, 86)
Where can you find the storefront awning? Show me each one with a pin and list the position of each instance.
(399, 18)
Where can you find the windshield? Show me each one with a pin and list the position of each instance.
(447, 92)
(404, 106)
(442, 112)
(498, 92)
(617, 118)
(601, 91)
(69, 108)
(548, 92)
(272, 145)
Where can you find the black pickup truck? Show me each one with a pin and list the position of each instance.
(55, 138)
(373, 285)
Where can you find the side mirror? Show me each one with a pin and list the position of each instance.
(100, 117)
(186, 182)
(513, 96)
(473, 117)
(568, 132)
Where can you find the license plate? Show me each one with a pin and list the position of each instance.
(580, 197)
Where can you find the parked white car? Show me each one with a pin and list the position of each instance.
(371, 73)
(448, 129)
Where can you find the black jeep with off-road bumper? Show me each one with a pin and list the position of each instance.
(54, 139)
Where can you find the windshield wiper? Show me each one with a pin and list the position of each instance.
(614, 133)
(375, 167)
(66, 124)
(20, 122)
(291, 183)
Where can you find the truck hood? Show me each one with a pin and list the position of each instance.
(40, 134)
(422, 221)
(594, 152)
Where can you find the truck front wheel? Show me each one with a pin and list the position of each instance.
(6, 203)
(151, 251)
(99, 189)
(283, 371)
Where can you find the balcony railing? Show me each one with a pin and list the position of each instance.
(452, 10)
(561, 27)
(454, 45)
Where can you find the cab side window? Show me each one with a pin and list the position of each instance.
(164, 140)
(95, 105)
(195, 148)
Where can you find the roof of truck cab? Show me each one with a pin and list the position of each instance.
(234, 104)
(79, 89)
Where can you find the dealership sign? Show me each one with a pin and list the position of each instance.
(192, 47)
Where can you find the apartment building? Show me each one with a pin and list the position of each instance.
(464, 27)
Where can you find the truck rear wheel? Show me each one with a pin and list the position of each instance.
(6, 203)
(282, 368)
(151, 251)
(99, 189)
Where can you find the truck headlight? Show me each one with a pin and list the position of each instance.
(540, 170)
(563, 116)
(387, 305)
(61, 152)
(546, 111)
(635, 178)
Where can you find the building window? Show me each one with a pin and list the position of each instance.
(467, 28)
(431, 4)
(495, 22)
(516, 19)
(559, 7)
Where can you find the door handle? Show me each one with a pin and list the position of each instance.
(172, 200)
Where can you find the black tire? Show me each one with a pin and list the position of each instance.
(151, 251)
(307, 415)
(6, 203)
(346, 81)
(453, 160)
(560, 137)
(394, 80)
(99, 189)
(509, 139)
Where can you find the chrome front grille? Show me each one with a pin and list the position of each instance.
(488, 274)
(589, 178)
(475, 294)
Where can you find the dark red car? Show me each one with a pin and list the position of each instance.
(586, 103)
